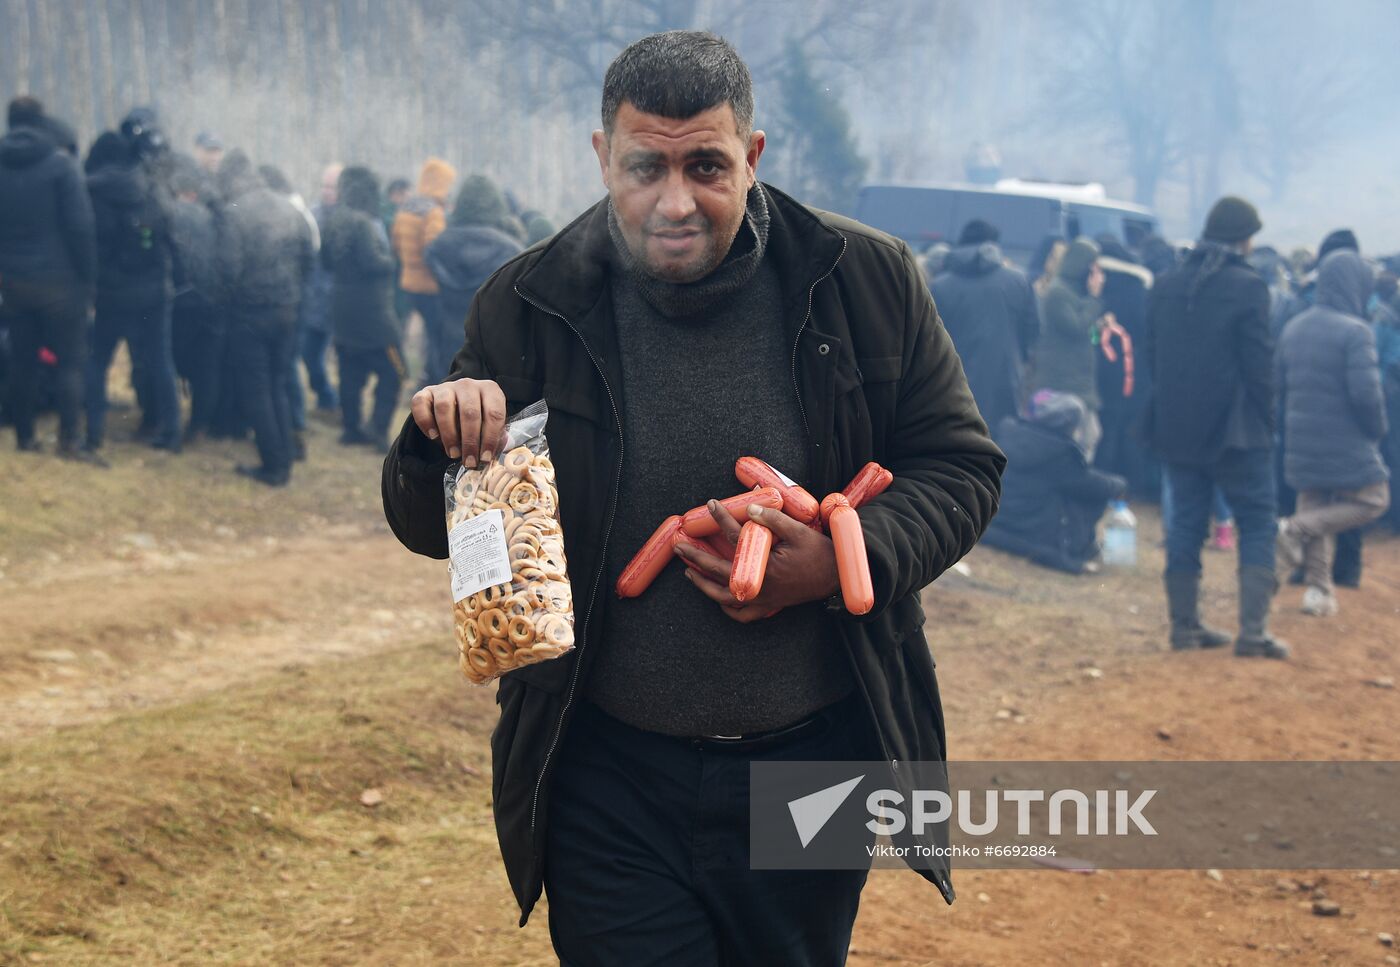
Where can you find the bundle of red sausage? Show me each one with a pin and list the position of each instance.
(835, 515)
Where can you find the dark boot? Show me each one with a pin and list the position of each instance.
(1183, 606)
(1257, 588)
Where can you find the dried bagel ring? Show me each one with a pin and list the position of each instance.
(558, 597)
(525, 656)
(500, 650)
(518, 460)
(559, 634)
(537, 596)
(517, 604)
(471, 633)
(480, 660)
(521, 631)
(545, 650)
(493, 623)
(493, 595)
(524, 496)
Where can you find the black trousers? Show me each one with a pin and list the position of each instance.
(45, 315)
(261, 349)
(199, 339)
(356, 367)
(647, 859)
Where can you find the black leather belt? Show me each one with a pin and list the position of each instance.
(756, 742)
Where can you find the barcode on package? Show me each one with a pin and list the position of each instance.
(477, 548)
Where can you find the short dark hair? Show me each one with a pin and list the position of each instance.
(677, 75)
(24, 110)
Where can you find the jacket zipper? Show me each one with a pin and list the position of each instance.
(602, 563)
(811, 292)
(797, 340)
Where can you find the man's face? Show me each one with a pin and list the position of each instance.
(209, 158)
(678, 187)
(330, 178)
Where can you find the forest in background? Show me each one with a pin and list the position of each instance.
(1170, 103)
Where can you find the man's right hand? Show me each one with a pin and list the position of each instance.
(468, 416)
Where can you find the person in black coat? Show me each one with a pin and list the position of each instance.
(134, 291)
(470, 249)
(355, 249)
(1125, 290)
(1051, 499)
(1211, 421)
(265, 252)
(198, 334)
(990, 311)
(48, 269)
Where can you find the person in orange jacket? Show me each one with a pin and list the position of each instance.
(420, 220)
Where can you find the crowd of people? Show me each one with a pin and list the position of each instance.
(1225, 380)
(228, 290)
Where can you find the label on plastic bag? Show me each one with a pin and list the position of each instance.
(479, 556)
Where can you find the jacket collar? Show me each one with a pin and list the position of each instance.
(570, 275)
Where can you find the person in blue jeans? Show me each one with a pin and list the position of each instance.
(1211, 420)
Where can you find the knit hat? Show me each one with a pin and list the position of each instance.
(978, 231)
(1232, 220)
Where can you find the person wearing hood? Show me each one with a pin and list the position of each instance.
(472, 247)
(134, 292)
(1333, 406)
(266, 252)
(355, 250)
(1071, 314)
(1211, 421)
(1346, 559)
(48, 270)
(421, 219)
(990, 311)
(1051, 498)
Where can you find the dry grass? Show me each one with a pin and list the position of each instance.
(229, 830)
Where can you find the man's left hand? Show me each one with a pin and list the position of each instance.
(801, 567)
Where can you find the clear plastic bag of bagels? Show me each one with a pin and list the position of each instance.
(512, 604)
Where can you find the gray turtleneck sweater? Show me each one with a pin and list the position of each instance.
(706, 380)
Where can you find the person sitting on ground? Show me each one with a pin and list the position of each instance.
(1052, 498)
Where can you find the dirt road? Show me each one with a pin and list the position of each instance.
(214, 614)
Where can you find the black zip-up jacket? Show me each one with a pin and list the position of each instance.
(46, 222)
(876, 378)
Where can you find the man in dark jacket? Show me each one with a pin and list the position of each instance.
(48, 269)
(1333, 406)
(355, 249)
(821, 351)
(134, 291)
(1072, 314)
(991, 315)
(1211, 420)
(198, 333)
(265, 253)
(471, 248)
(1051, 498)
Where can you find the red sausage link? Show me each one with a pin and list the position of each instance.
(650, 561)
(798, 504)
(750, 561)
(851, 562)
(871, 482)
(697, 522)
